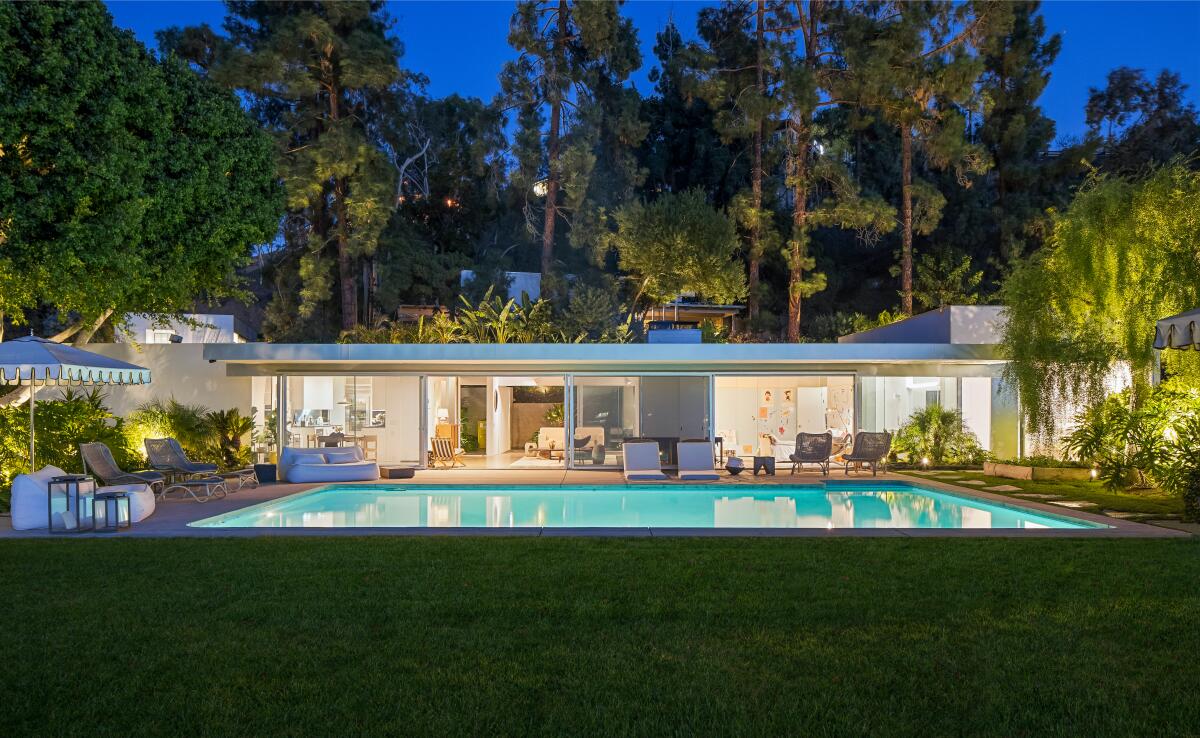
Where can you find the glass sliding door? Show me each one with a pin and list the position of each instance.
(761, 415)
(606, 412)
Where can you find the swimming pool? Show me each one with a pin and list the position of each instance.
(830, 505)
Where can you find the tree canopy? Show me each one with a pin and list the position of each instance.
(677, 244)
(127, 184)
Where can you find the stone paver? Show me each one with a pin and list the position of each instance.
(973, 482)
(1074, 504)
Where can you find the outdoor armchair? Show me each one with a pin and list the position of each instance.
(870, 449)
(812, 448)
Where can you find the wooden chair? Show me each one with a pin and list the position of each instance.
(369, 445)
(443, 455)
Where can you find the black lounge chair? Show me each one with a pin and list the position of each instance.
(812, 448)
(870, 449)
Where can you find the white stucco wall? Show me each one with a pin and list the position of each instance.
(176, 370)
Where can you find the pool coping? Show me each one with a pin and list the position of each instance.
(173, 518)
(1103, 523)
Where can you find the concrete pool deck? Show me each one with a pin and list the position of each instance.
(171, 517)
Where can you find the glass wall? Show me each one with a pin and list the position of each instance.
(378, 414)
(606, 413)
(609, 410)
(265, 436)
(761, 415)
(887, 402)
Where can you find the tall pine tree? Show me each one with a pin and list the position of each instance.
(569, 53)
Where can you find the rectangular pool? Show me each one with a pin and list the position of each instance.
(830, 505)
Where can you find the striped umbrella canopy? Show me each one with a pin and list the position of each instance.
(37, 362)
(1178, 331)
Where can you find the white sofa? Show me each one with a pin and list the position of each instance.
(305, 465)
(553, 439)
(29, 499)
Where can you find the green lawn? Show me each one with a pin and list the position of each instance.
(1148, 502)
(600, 636)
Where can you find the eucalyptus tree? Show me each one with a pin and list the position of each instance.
(910, 62)
(127, 184)
(810, 68)
(569, 52)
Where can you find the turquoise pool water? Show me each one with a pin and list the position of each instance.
(833, 505)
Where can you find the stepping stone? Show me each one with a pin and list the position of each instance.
(1036, 496)
(973, 482)
(1119, 514)
(1010, 488)
(1074, 504)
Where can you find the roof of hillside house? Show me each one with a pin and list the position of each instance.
(954, 324)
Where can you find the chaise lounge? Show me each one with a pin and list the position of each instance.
(308, 465)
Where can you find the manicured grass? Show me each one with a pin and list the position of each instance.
(1148, 502)
(600, 636)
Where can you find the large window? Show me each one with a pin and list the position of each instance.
(378, 414)
(887, 402)
(761, 415)
(609, 410)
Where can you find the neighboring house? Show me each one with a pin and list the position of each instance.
(193, 328)
(555, 405)
(529, 283)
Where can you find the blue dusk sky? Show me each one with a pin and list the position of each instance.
(461, 46)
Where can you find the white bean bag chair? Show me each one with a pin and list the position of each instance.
(29, 499)
(141, 500)
(308, 465)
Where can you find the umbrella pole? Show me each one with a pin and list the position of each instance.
(32, 392)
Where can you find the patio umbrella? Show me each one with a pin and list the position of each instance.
(39, 362)
(1178, 331)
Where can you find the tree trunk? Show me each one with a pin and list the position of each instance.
(552, 144)
(85, 335)
(756, 177)
(798, 254)
(347, 272)
(906, 230)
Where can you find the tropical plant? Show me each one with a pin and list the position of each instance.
(1156, 443)
(212, 436)
(62, 424)
(225, 430)
(938, 434)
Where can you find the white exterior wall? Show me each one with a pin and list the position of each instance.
(177, 370)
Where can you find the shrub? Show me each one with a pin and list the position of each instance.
(1156, 442)
(211, 436)
(62, 424)
(937, 434)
